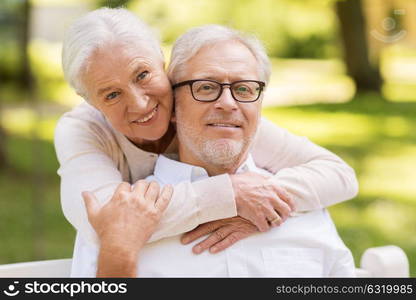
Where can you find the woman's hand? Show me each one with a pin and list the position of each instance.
(260, 200)
(125, 223)
(223, 234)
(261, 204)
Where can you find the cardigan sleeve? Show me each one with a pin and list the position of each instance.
(314, 176)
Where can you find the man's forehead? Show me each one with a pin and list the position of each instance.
(227, 57)
(217, 73)
(232, 48)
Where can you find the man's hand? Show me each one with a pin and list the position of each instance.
(125, 223)
(223, 234)
(259, 200)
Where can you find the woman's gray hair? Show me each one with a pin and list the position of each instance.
(188, 44)
(99, 28)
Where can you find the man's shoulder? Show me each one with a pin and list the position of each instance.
(311, 221)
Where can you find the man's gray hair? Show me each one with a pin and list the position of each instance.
(188, 44)
(98, 29)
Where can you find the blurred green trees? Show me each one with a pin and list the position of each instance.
(112, 3)
(302, 29)
(309, 29)
(15, 66)
(354, 40)
(318, 56)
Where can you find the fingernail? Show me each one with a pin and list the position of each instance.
(185, 240)
(213, 249)
(197, 249)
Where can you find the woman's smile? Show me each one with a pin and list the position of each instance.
(142, 106)
(148, 119)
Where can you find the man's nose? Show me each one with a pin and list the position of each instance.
(226, 100)
(138, 101)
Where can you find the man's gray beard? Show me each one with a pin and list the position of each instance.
(223, 153)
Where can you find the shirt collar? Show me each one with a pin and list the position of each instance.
(247, 165)
(171, 171)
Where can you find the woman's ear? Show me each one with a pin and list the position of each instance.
(83, 97)
(89, 101)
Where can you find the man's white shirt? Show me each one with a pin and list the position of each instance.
(306, 245)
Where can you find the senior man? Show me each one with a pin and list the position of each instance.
(218, 92)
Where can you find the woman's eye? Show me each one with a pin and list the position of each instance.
(142, 75)
(112, 95)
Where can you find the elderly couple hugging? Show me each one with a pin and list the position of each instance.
(177, 174)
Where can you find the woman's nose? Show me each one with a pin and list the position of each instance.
(138, 101)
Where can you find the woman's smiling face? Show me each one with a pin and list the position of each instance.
(128, 84)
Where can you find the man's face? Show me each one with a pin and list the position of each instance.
(217, 133)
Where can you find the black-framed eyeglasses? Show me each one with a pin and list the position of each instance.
(206, 90)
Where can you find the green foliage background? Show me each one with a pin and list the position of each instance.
(372, 132)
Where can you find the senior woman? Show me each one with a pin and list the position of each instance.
(114, 61)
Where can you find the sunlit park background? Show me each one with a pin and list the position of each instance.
(344, 75)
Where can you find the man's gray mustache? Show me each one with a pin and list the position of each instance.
(224, 119)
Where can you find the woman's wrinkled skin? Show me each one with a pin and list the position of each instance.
(133, 92)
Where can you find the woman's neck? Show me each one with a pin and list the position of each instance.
(159, 146)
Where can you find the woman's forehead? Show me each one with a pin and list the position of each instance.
(115, 64)
(118, 55)
(126, 50)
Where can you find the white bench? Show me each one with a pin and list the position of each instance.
(387, 261)
(46, 268)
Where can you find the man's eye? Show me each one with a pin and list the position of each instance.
(142, 75)
(112, 95)
(242, 89)
(207, 87)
